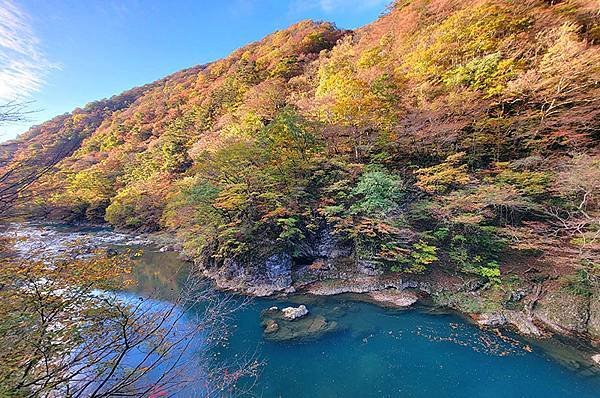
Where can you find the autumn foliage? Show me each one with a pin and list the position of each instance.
(434, 135)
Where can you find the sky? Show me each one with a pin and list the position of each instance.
(63, 54)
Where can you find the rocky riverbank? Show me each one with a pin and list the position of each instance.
(536, 305)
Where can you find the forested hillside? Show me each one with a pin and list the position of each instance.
(447, 135)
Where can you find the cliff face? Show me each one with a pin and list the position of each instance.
(450, 143)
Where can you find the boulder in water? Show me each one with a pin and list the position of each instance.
(294, 323)
(292, 313)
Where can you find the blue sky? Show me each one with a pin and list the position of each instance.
(63, 54)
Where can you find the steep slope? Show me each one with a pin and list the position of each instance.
(454, 143)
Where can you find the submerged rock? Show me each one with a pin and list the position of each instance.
(308, 328)
(596, 359)
(270, 326)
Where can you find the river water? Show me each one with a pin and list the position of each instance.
(377, 352)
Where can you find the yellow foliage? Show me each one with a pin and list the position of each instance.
(472, 32)
(90, 185)
(234, 197)
(443, 176)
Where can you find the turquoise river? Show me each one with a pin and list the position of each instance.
(374, 352)
(379, 352)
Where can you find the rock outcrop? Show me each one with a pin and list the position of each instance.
(394, 298)
(563, 312)
(358, 284)
(259, 280)
(516, 319)
(593, 325)
(491, 320)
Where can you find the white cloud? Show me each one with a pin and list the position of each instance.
(23, 66)
(332, 5)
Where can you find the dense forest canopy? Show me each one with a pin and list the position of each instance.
(455, 134)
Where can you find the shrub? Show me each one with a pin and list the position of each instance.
(377, 193)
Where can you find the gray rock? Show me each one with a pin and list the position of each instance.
(167, 248)
(232, 269)
(523, 323)
(516, 296)
(563, 311)
(362, 284)
(394, 298)
(324, 245)
(593, 325)
(369, 268)
(492, 320)
(475, 285)
(292, 313)
(274, 275)
(279, 271)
